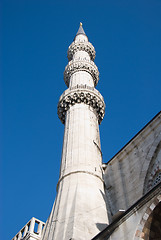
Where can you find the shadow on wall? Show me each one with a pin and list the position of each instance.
(108, 209)
(101, 226)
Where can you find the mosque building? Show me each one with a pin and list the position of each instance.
(117, 200)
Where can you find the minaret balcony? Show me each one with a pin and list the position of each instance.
(81, 94)
(81, 46)
(75, 66)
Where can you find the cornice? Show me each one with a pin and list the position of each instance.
(154, 123)
(106, 233)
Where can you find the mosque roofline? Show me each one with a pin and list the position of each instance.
(134, 137)
(136, 206)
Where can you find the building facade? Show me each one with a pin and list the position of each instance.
(116, 200)
(133, 187)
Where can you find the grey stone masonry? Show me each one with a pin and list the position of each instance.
(135, 169)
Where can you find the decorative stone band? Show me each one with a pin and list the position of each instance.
(75, 66)
(81, 46)
(81, 94)
(74, 172)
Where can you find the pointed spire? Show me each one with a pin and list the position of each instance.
(80, 30)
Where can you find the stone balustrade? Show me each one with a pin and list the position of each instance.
(33, 228)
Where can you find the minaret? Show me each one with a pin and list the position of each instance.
(79, 211)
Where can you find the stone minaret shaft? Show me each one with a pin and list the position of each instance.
(79, 211)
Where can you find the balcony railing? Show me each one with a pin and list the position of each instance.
(34, 227)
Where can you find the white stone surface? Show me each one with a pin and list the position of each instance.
(132, 228)
(30, 231)
(79, 211)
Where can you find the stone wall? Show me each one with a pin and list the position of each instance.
(140, 222)
(135, 169)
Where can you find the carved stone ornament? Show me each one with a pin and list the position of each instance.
(74, 66)
(81, 46)
(82, 95)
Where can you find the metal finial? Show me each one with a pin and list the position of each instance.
(80, 30)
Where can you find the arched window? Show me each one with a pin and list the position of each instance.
(156, 178)
(152, 228)
(153, 176)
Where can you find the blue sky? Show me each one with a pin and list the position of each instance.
(35, 38)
